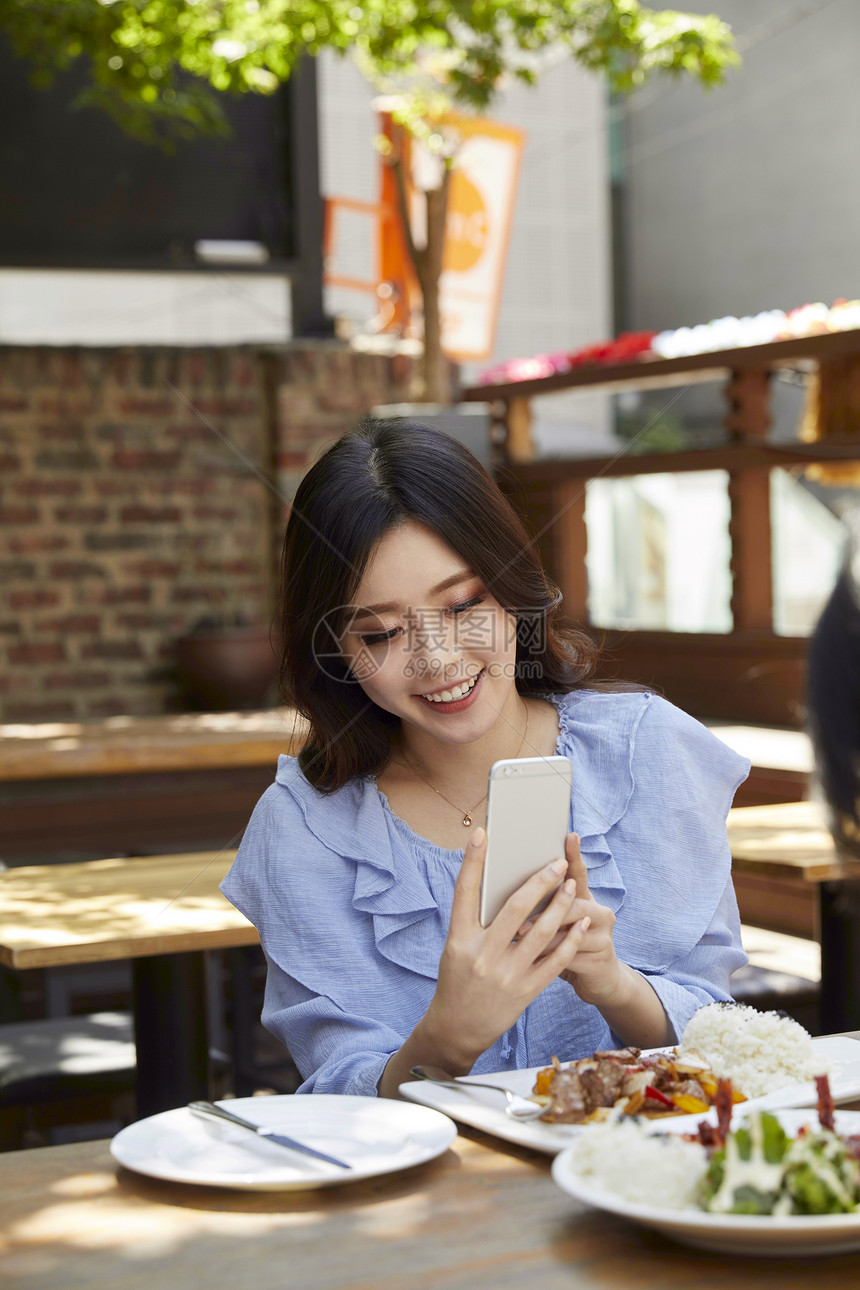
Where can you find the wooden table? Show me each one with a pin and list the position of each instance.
(484, 1216)
(788, 845)
(162, 913)
(80, 790)
(781, 761)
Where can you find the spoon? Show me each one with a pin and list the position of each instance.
(517, 1108)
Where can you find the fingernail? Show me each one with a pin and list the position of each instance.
(558, 866)
(569, 887)
(585, 924)
(477, 838)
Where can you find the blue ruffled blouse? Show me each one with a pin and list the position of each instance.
(352, 906)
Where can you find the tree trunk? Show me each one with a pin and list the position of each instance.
(427, 262)
(437, 385)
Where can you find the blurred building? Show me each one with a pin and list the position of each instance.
(745, 197)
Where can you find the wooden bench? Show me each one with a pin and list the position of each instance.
(780, 854)
(65, 1070)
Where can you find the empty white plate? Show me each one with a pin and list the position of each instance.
(374, 1135)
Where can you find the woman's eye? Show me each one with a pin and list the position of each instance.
(467, 604)
(376, 638)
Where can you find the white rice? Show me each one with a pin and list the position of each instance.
(758, 1051)
(624, 1159)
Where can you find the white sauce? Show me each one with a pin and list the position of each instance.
(764, 1177)
(757, 1172)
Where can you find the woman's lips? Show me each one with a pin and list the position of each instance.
(452, 705)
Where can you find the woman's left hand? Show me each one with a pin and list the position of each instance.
(626, 999)
(594, 971)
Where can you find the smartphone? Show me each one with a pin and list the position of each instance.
(528, 816)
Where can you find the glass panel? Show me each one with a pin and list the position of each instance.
(689, 415)
(808, 542)
(658, 552)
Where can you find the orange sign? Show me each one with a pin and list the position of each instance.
(467, 230)
(480, 212)
(481, 201)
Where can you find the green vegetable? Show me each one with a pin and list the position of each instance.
(775, 1139)
(821, 1178)
(750, 1201)
(763, 1171)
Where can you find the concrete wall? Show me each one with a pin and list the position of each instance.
(747, 197)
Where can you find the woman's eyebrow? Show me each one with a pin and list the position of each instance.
(368, 611)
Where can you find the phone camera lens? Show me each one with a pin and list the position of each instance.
(507, 770)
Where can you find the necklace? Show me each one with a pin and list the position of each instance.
(467, 815)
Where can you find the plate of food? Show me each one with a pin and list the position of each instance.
(775, 1183)
(771, 1061)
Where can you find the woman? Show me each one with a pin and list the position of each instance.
(421, 645)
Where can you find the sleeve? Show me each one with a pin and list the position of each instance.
(679, 924)
(324, 971)
(702, 976)
(335, 1051)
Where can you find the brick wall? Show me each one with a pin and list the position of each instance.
(129, 510)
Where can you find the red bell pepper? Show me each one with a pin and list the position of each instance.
(655, 1093)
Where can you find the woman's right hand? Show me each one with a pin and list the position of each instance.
(488, 975)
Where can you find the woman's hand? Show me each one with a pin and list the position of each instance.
(487, 975)
(594, 972)
(625, 998)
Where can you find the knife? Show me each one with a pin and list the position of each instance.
(209, 1111)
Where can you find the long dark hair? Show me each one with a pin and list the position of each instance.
(372, 479)
(833, 705)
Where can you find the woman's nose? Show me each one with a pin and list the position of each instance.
(430, 638)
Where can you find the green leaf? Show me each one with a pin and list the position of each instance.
(463, 50)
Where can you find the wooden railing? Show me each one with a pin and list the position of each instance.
(751, 673)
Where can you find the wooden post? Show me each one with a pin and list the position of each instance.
(519, 443)
(748, 393)
(570, 541)
(833, 412)
(750, 534)
(498, 432)
(748, 421)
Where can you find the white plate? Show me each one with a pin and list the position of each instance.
(788, 1237)
(374, 1135)
(485, 1110)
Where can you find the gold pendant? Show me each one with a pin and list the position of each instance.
(467, 820)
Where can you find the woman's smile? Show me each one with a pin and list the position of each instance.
(438, 643)
(453, 698)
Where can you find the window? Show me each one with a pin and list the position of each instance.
(658, 552)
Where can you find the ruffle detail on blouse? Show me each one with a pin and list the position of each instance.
(674, 790)
(386, 886)
(599, 741)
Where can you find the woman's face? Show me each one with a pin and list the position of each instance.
(425, 639)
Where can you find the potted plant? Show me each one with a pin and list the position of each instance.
(228, 662)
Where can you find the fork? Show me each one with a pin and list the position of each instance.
(516, 1107)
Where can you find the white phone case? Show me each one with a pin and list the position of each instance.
(528, 819)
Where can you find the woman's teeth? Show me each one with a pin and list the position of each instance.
(450, 696)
